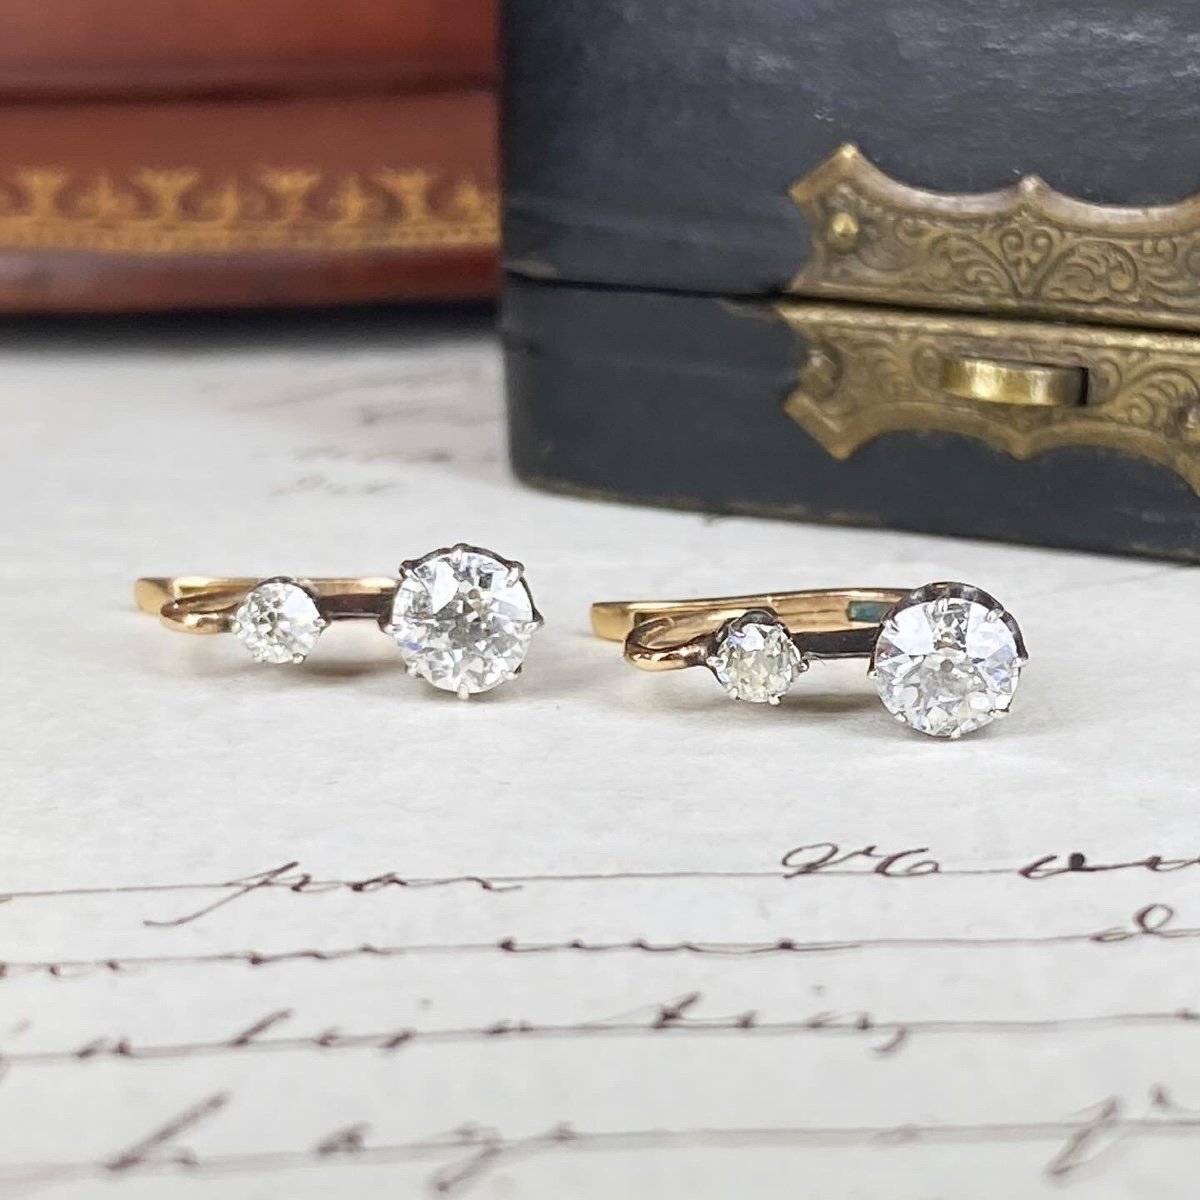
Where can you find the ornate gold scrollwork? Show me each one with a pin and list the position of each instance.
(1011, 378)
(1025, 249)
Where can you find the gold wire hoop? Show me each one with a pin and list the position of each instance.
(206, 604)
(669, 635)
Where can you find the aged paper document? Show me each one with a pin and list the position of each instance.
(320, 930)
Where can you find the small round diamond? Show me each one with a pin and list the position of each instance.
(754, 658)
(278, 622)
(463, 619)
(948, 660)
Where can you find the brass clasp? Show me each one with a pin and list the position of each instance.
(928, 311)
(995, 382)
(1022, 386)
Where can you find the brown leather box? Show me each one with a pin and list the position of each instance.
(209, 153)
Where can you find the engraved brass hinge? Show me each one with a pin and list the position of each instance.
(1025, 256)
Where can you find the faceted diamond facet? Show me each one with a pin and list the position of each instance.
(278, 622)
(463, 619)
(948, 660)
(754, 658)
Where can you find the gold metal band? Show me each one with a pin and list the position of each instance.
(668, 635)
(1030, 384)
(206, 604)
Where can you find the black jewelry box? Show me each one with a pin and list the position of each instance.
(797, 257)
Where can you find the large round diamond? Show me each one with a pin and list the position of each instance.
(463, 619)
(948, 660)
(278, 621)
(754, 658)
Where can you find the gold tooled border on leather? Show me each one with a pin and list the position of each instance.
(181, 211)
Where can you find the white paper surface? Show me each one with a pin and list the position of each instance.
(583, 968)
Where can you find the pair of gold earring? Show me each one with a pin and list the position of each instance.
(462, 616)
(946, 657)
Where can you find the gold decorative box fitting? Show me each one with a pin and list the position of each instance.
(1088, 337)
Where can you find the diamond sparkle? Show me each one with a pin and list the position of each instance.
(948, 660)
(278, 622)
(463, 619)
(754, 659)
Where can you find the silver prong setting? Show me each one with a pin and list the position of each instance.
(278, 621)
(462, 617)
(947, 659)
(754, 658)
